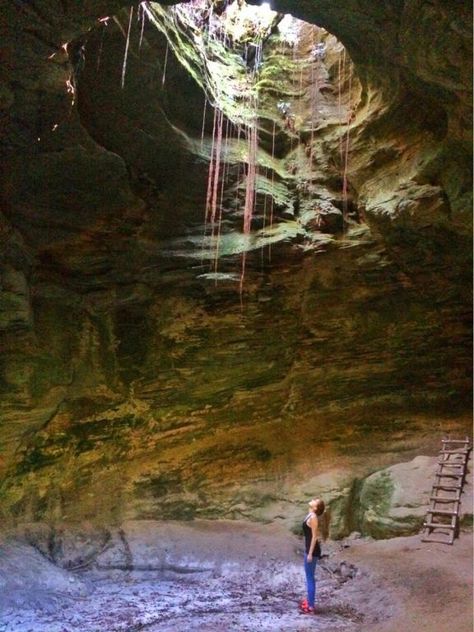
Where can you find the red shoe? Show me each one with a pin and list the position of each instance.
(307, 610)
(303, 603)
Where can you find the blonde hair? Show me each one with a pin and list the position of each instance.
(323, 515)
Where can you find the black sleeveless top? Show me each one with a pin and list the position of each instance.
(308, 534)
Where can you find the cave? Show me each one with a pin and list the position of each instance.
(236, 275)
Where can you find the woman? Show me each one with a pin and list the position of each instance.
(314, 528)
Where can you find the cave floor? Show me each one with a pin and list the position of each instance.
(363, 586)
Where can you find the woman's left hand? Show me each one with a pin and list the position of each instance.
(309, 558)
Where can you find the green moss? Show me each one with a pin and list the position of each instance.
(36, 458)
(467, 521)
(377, 494)
(45, 448)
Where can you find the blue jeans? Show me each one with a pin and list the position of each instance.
(310, 570)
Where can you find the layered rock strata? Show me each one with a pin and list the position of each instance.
(132, 386)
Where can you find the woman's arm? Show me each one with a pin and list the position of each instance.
(313, 523)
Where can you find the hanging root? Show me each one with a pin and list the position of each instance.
(124, 65)
(346, 160)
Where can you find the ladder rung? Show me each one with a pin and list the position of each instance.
(445, 500)
(448, 487)
(446, 474)
(437, 525)
(454, 440)
(444, 512)
(458, 456)
(451, 458)
(458, 451)
(450, 464)
(447, 541)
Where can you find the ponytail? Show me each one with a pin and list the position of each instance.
(324, 517)
(323, 520)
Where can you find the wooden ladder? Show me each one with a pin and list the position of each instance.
(442, 519)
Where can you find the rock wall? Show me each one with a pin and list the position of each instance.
(183, 405)
(130, 387)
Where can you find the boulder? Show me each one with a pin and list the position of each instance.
(287, 505)
(335, 488)
(29, 581)
(393, 501)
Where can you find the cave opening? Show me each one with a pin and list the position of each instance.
(272, 107)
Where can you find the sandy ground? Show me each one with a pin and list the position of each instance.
(238, 577)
